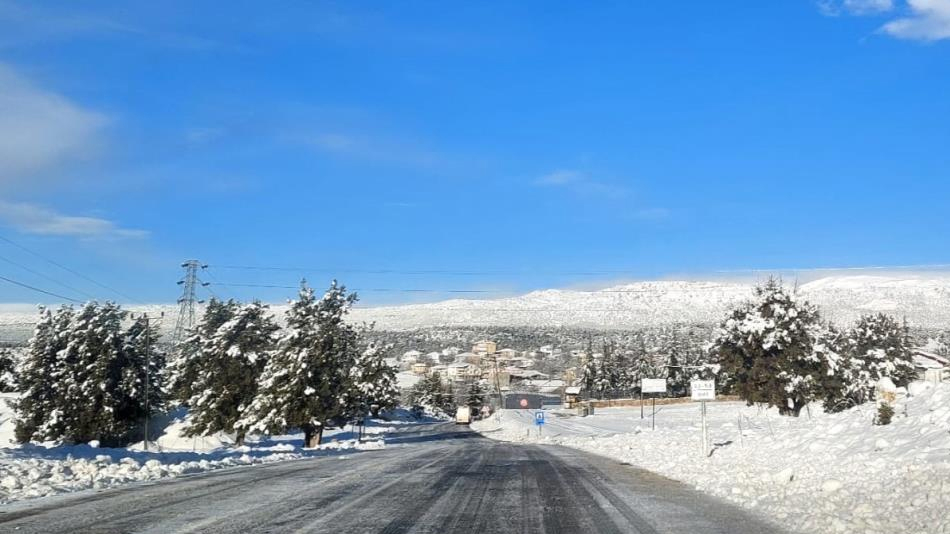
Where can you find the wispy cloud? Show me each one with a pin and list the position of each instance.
(854, 7)
(373, 149)
(581, 183)
(918, 20)
(929, 21)
(40, 129)
(25, 24)
(34, 219)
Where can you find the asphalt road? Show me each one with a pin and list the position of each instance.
(436, 479)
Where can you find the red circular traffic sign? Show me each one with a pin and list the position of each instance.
(524, 403)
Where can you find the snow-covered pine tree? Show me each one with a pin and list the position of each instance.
(429, 393)
(374, 383)
(605, 378)
(305, 384)
(773, 350)
(227, 368)
(589, 371)
(183, 367)
(40, 374)
(93, 397)
(8, 365)
(879, 346)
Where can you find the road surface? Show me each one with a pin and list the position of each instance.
(430, 479)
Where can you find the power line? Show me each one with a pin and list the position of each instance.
(600, 272)
(476, 291)
(67, 269)
(414, 271)
(38, 290)
(365, 290)
(49, 278)
(562, 273)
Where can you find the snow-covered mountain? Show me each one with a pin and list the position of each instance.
(923, 300)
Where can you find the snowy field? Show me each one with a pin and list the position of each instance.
(29, 471)
(815, 474)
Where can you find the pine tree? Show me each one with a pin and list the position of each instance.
(589, 373)
(878, 346)
(429, 392)
(475, 396)
(773, 350)
(228, 365)
(8, 381)
(39, 372)
(183, 369)
(374, 383)
(306, 383)
(93, 400)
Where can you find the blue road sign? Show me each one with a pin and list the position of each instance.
(539, 418)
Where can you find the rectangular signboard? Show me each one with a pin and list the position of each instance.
(653, 385)
(702, 390)
(539, 418)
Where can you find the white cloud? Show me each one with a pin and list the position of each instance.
(40, 130)
(922, 20)
(581, 183)
(855, 7)
(34, 219)
(929, 21)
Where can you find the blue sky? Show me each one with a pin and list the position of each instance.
(508, 146)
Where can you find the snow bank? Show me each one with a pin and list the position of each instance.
(28, 471)
(818, 474)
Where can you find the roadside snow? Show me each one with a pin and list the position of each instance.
(29, 471)
(818, 474)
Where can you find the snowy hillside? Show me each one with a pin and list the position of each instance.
(924, 301)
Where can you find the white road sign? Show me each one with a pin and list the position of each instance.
(703, 390)
(653, 385)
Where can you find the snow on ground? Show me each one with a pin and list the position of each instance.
(819, 474)
(28, 471)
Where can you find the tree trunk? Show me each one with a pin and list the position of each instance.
(319, 435)
(239, 438)
(310, 439)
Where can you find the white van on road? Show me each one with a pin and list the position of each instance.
(463, 415)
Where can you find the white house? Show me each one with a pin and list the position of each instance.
(931, 367)
(462, 371)
(484, 347)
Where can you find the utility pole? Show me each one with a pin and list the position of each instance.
(189, 297)
(148, 371)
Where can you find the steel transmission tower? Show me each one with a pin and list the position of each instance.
(189, 297)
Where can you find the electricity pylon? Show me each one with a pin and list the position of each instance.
(189, 297)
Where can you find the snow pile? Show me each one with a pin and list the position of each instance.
(820, 474)
(39, 472)
(28, 471)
